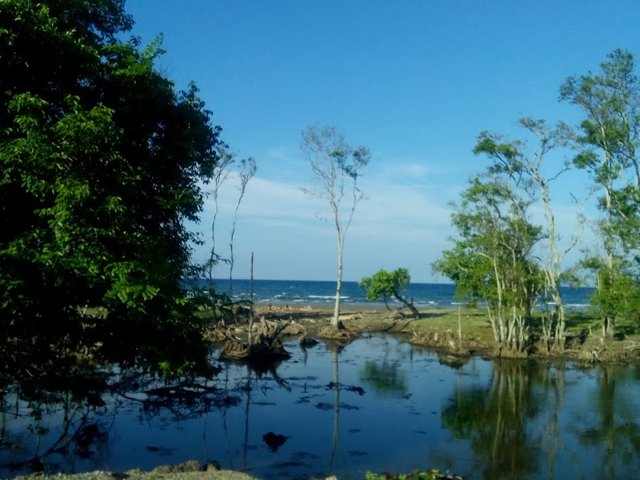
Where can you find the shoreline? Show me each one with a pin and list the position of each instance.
(456, 331)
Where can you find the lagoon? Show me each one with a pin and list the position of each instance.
(377, 404)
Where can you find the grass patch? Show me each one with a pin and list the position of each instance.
(474, 323)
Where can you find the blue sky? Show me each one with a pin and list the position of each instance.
(414, 81)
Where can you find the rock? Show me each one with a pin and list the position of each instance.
(188, 466)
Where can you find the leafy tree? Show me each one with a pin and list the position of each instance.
(101, 161)
(516, 155)
(492, 258)
(389, 285)
(617, 293)
(608, 145)
(336, 166)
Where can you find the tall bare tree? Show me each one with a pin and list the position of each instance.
(247, 171)
(221, 172)
(336, 166)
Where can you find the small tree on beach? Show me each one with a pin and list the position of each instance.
(389, 285)
(336, 166)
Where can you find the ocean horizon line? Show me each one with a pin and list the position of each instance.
(323, 292)
(312, 280)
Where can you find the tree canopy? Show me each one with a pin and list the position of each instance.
(607, 144)
(101, 161)
(389, 285)
(497, 256)
(492, 259)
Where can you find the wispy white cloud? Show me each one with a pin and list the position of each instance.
(404, 221)
(401, 225)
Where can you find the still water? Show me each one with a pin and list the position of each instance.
(377, 405)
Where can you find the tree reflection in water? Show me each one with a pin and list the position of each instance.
(522, 425)
(81, 434)
(335, 437)
(614, 428)
(57, 431)
(376, 405)
(494, 420)
(386, 378)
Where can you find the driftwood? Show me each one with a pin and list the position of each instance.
(266, 345)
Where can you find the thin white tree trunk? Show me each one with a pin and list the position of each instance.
(336, 308)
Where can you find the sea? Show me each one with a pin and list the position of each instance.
(319, 293)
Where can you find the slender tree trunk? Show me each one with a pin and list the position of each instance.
(493, 322)
(502, 333)
(459, 329)
(408, 304)
(608, 321)
(552, 270)
(251, 311)
(335, 321)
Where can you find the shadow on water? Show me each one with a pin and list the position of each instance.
(373, 405)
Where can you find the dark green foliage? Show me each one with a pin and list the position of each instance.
(101, 160)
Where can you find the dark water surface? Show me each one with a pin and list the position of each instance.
(377, 405)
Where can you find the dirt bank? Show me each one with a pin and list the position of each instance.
(191, 470)
(137, 475)
(463, 331)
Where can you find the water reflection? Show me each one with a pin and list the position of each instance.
(613, 429)
(336, 406)
(375, 404)
(551, 421)
(385, 378)
(494, 418)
